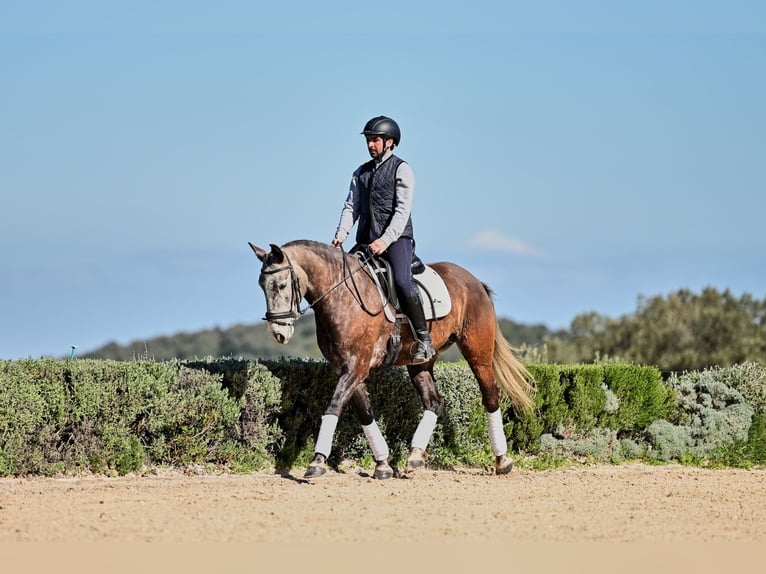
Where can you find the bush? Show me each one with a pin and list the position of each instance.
(641, 394)
(596, 445)
(574, 401)
(747, 378)
(715, 416)
(254, 436)
(668, 441)
(33, 413)
(115, 417)
(118, 417)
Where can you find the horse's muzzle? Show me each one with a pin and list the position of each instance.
(281, 331)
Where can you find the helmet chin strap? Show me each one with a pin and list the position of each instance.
(386, 148)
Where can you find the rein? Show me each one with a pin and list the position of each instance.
(353, 282)
(295, 310)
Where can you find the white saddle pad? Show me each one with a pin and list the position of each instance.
(433, 292)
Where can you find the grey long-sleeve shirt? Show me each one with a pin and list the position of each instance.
(405, 188)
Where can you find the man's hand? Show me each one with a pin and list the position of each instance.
(377, 247)
(337, 241)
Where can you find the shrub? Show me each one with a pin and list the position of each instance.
(118, 417)
(33, 410)
(115, 417)
(584, 396)
(573, 401)
(668, 441)
(596, 445)
(550, 409)
(747, 378)
(713, 415)
(255, 436)
(641, 394)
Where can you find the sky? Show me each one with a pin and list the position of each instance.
(575, 156)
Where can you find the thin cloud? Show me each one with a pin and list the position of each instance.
(493, 240)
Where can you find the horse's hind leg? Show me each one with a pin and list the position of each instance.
(490, 397)
(423, 381)
(479, 358)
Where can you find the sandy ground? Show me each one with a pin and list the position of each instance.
(630, 503)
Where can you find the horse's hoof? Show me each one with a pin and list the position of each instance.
(315, 470)
(382, 470)
(316, 467)
(503, 465)
(416, 460)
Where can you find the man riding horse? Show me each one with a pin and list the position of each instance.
(380, 199)
(355, 340)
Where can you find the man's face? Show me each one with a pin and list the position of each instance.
(377, 146)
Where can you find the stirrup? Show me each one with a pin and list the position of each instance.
(424, 353)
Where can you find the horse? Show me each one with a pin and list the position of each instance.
(354, 336)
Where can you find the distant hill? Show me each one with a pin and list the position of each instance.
(252, 341)
(680, 331)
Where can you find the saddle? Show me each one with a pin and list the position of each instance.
(433, 291)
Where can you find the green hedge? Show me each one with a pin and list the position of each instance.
(117, 417)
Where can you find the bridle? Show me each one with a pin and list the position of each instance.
(295, 310)
(287, 318)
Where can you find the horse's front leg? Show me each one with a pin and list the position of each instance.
(348, 385)
(363, 408)
(423, 381)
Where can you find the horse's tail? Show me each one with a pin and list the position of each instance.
(511, 375)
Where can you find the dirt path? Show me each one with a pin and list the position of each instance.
(633, 503)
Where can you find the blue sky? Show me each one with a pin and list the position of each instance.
(573, 155)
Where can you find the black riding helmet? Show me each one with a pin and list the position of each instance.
(384, 127)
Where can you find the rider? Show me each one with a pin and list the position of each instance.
(380, 199)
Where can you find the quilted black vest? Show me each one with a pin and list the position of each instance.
(377, 199)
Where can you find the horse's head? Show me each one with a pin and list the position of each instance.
(280, 283)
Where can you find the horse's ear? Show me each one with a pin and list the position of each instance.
(277, 255)
(259, 253)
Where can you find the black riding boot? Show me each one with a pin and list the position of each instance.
(425, 351)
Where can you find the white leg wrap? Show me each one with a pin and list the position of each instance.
(424, 431)
(496, 434)
(326, 434)
(376, 440)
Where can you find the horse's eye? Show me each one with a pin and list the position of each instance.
(282, 286)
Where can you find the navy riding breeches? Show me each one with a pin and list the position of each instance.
(399, 254)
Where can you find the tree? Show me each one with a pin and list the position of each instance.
(683, 331)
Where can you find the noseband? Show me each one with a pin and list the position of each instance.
(295, 310)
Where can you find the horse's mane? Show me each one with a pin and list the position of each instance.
(310, 243)
(324, 249)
